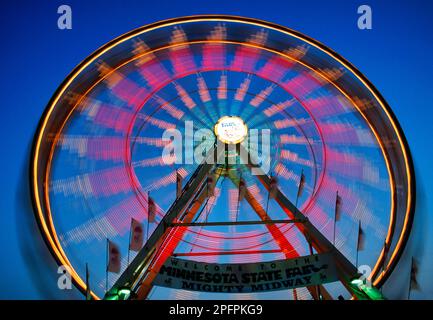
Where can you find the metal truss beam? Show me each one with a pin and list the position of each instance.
(224, 253)
(166, 250)
(136, 268)
(234, 223)
(346, 270)
(280, 239)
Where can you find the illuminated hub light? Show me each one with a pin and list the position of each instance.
(231, 130)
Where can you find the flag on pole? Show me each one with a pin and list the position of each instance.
(273, 187)
(151, 209)
(361, 238)
(242, 189)
(414, 285)
(210, 184)
(337, 208)
(385, 255)
(385, 249)
(301, 185)
(88, 292)
(179, 180)
(137, 235)
(113, 258)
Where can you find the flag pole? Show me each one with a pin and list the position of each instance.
(410, 288)
(147, 224)
(267, 201)
(299, 188)
(176, 185)
(87, 282)
(129, 245)
(239, 201)
(335, 218)
(129, 241)
(385, 256)
(357, 243)
(410, 280)
(206, 208)
(269, 194)
(106, 268)
(385, 253)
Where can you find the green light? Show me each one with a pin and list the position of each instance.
(112, 297)
(124, 293)
(357, 282)
(373, 293)
(365, 291)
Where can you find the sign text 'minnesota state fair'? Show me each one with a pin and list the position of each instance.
(247, 277)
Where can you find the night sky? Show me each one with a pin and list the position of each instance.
(36, 56)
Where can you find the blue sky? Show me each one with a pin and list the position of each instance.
(37, 56)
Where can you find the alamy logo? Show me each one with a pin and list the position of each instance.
(64, 282)
(64, 22)
(365, 20)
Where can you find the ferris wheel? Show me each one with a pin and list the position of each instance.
(221, 142)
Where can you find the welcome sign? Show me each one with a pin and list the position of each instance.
(247, 277)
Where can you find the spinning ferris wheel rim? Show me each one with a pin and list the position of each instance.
(41, 200)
